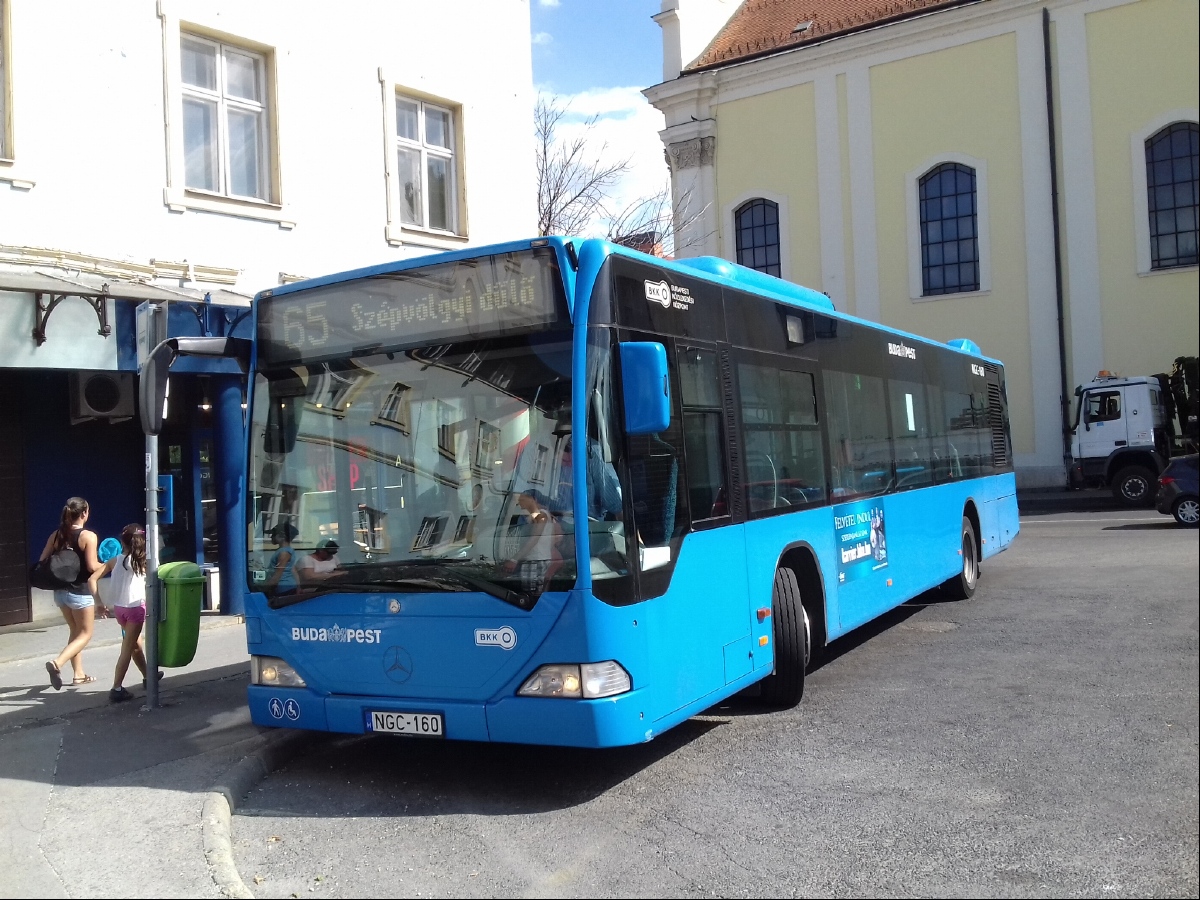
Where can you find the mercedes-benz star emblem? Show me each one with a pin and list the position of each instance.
(397, 664)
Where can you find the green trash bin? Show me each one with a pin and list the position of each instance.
(179, 629)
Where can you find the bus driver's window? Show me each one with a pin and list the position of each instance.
(660, 504)
(605, 503)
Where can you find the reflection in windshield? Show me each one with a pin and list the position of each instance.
(457, 456)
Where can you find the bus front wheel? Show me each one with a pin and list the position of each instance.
(785, 687)
(962, 585)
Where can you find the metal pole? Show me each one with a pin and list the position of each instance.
(1064, 400)
(153, 586)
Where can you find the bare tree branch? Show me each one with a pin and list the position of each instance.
(653, 224)
(573, 181)
(575, 187)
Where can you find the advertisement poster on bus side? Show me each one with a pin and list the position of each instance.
(861, 539)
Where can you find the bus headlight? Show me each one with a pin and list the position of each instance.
(589, 681)
(271, 671)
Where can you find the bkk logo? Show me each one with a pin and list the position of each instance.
(659, 292)
(339, 635)
(504, 638)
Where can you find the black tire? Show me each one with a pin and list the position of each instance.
(790, 629)
(962, 586)
(1135, 486)
(1186, 511)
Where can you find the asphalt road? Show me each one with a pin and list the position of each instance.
(1039, 740)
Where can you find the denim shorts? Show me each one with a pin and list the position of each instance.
(71, 600)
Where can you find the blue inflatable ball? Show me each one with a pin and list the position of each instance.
(109, 547)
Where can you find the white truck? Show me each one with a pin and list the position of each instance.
(1125, 430)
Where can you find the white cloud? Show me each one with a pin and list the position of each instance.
(552, 4)
(626, 127)
(542, 37)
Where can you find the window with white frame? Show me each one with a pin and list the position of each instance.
(1172, 161)
(949, 232)
(5, 152)
(949, 250)
(225, 119)
(425, 164)
(756, 225)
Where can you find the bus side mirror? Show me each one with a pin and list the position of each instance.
(283, 422)
(152, 388)
(646, 387)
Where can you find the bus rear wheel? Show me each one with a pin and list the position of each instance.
(962, 585)
(790, 627)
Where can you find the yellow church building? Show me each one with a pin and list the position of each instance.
(1019, 172)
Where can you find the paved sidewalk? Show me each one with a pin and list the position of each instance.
(98, 799)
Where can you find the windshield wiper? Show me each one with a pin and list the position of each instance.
(340, 586)
(521, 601)
(419, 576)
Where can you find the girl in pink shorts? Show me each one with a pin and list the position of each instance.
(127, 596)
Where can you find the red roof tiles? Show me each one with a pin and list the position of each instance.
(761, 27)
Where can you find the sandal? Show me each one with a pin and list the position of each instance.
(86, 679)
(55, 675)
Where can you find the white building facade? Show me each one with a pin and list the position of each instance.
(188, 149)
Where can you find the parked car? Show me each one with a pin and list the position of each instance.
(1178, 491)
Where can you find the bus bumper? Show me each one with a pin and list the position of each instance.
(611, 722)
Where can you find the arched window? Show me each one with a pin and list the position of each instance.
(949, 230)
(1172, 161)
(756, 223)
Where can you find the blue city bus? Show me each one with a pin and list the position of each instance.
(561, 492)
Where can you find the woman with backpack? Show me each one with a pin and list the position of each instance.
(71, 539)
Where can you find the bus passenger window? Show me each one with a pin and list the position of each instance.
(785, 466)
(859, 450)
(910, 434)
(968, 433)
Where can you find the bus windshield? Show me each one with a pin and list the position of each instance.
(442, 468)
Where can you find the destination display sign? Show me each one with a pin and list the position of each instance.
(488, 296)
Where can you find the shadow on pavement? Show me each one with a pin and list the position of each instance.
(385, 776)
(1082, 503)
(1167, 524)
(398, 777)
(100, 743)
(746, 703)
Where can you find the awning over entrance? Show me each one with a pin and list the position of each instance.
(50, 290)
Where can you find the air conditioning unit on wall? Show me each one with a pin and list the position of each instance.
(101, 395)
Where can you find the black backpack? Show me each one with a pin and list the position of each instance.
(59, 571)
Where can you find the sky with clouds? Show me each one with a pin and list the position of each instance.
(595, 58)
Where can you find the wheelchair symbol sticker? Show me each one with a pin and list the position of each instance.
(292, 710)
(275, 707)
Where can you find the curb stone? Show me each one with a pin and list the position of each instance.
(223, 797)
